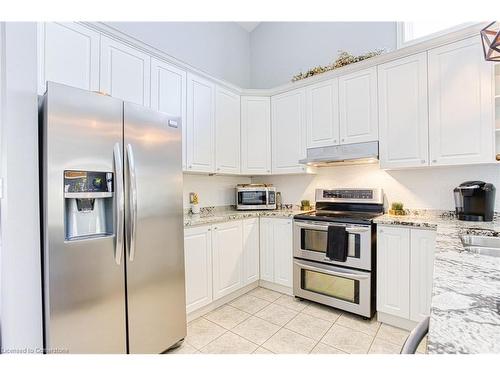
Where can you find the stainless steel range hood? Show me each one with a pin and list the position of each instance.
(356, 153)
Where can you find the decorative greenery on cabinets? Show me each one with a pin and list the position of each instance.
(344, 58)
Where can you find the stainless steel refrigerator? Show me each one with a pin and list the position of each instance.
(112, 227)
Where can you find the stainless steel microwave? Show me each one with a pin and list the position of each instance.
(255, 197)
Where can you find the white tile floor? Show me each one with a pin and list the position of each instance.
(265, 322)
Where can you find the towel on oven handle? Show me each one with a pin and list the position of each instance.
(336, 248)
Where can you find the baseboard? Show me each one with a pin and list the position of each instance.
(276, 287)
(221, 301)
(396, 321)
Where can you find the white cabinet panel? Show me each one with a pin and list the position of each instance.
(288, 132)
(283, 252)
(198, 267)
(125, 72)
(422, 244)
(250, 250)
(227, 131)
(227, 254)
(393, 271)
(266, 249)
(322, 109)
(358, 106)
(255, 135)
(461, 119)
(68, 53)
(402, 111)
(276, 251)
(200, 137)
(168, 94)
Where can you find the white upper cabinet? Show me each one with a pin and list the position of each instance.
(168, 94)
(322, 109)
(255, 135)
(461, 118)
(125, 72)
(227, 131)
(68, 53)
(402, 111)
(200, 137)
(358, 106)
(288, 132)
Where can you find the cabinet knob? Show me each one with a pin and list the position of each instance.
(434, 161)
(334, 141)
(218, 169)
(190, 166)
(422, 161)
(269, 170)
(343, 139)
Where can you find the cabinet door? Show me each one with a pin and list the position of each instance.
(266, 249)
(255, 135)
(200, 135)
(250, 250)
(227, 131)
(393, 271)
(125, 72)
(68, 53)
(322, 110)
(288, 132)
(168, 94)
(422, 244)
(198, 265)
(402, 111)
(461, 122)
(358, 106)
(283, 252)
(227, 254)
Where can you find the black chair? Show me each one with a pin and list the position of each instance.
(416, 336)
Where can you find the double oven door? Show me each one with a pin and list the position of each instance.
(344, 285)
(311, 239)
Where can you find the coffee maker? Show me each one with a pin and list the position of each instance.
(475, 201)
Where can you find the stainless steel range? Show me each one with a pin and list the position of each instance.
(334, 250)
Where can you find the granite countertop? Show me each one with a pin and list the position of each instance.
(465, 307)
(223, 214)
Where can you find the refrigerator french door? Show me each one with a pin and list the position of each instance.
(111, 225)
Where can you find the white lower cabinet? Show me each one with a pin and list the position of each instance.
(198, 267)
(227, 254)
(276, 251)
(422, 245)
(405, 259)
(219, 260)
(393, 271)
(250, 250)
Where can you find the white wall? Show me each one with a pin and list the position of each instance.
(417, 188)
(221, 49)
(212, 190)
(20, 272)
(280, 50)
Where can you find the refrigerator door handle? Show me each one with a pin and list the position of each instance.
(120, 203)
(132, 201)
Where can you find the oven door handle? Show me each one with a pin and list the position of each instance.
(309, 225)
(345, 274)
(357, 230)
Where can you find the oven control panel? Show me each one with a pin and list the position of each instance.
(348, 195)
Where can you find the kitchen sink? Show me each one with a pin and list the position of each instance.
(484, 245)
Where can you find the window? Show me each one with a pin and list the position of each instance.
(415, 32)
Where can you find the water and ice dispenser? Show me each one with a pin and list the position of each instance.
(88, 204)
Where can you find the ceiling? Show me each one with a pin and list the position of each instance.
(248, 26)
